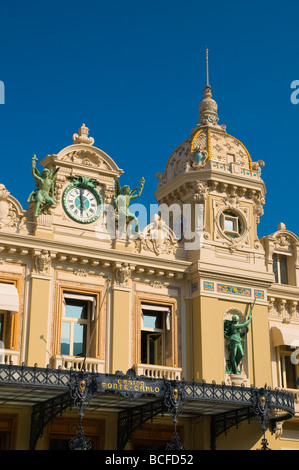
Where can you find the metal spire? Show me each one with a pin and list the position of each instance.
(208, 106)
(207, 67)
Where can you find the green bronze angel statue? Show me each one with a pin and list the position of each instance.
(122, 199)
(235, 334)
(44, 195)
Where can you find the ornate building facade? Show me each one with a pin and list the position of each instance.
(187, 325)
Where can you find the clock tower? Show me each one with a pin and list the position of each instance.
(84, 183)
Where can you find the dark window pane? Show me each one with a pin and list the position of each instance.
(155, 349)
(275, 267)
(283, 269)
(1, 326)
(290, 373)
(144, 347)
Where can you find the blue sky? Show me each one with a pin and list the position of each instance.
(134, 73)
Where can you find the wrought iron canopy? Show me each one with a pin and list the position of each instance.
(53, 389)
(31, 385)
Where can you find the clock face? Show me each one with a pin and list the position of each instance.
(81, 204)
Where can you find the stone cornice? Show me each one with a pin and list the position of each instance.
(283, 290)
(207, 175)
(29, 245)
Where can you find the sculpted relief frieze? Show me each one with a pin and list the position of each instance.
(11, 213)
(157, 238)
(87, 158)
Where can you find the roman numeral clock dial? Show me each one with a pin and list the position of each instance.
(81, 201)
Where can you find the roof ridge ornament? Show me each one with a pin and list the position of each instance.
(82, 136)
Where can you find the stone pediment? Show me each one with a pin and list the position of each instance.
(82, 155)
(86, 157)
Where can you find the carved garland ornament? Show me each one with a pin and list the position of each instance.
(157, 238)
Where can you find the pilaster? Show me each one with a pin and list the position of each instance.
(121, 321)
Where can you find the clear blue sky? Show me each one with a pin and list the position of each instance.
(134, 72)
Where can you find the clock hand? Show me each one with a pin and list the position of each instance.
(81, 201)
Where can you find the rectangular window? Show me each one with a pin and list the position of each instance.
(2, 319)
(155, 322)
(230, 224)
(78, 311)
(288, 370)
(280, 268)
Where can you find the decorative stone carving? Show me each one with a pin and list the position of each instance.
(157, 238)
(80, 272)
(82, 136)
(87, 158)
(200, 192)
(157, 284)
(292, 304)
(284, 310)
(10, 209)
(279, 429)
(60, 182)
(285, 241)
(123, 275)
(42, 262)
(198, 159)
(257, 166)
(232, 199)
(281, 303)
(242, 213)
(289, 310)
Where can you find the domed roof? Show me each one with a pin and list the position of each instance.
(209, 143)
(205, 145)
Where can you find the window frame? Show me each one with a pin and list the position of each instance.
(72, 321)
(277, 255)
(282, 355)
(235, 219)
(152, 331)
(97, 322)
(12, 323)
(171, 353)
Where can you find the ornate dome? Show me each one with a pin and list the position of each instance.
(204, 145)
(209, 146)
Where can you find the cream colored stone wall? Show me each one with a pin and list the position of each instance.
(51, 254)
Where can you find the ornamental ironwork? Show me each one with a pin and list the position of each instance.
(65, 388)
(174, 399)
(82, 389)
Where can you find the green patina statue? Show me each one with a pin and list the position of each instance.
(235, 342)
(44, 195)
(122, 199)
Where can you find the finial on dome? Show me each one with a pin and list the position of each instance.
(207, 66)
(281, 226)
(208, 107)
(82, 136)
